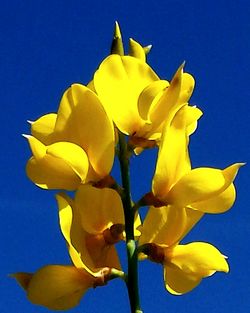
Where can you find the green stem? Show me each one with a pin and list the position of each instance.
(129, 212)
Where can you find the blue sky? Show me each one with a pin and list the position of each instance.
(48, 45)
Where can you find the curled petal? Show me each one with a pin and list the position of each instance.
(99, 209)
(149, 97)
(202, 184)
(62, 165)
(119, 82)
(168, 104)
(43, 128)
(177, 282)
(73, 233)
(173, 160)
(57, 287)
(197, 258)
(81, 110)
(218, 204)
(187, 87)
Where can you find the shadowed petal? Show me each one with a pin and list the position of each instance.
(163, 226)
(136, 50)
(62, 165)
(57, 287)
(167, 106)
(81, 110)
(177, 282)
(74, 234)
(43, 128)
(98, 208)
(218, 204)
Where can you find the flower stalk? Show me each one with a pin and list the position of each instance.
(129, 213)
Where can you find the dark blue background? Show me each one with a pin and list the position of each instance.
(47, 45)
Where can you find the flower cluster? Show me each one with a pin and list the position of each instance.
(123, 110)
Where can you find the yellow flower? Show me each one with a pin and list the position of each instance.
(101, 219)
(136, 99)
(82, 121)
(207, 189)
(60, 287)
(56, 287)
(184, 265)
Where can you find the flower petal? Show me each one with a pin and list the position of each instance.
(173, 160)
(62, 165)
(74, 234)
(163, 226)
(99, 209)
(218, 204)
(58, 287)
(177, 282)
(192, 218)
(198, 258)
(149, 97)
(87, 251)
(136, 50)
(167, 105)
(43, 128)
(81, 110)
(102, 254)
(202, 184)
(119, 82)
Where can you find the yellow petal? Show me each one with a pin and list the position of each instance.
(172, 161)
(102, 254)
(99, 208)
(149, 97)
(192, 218)
(168, 105)
(198, 258)
(74, 234)
(87, 251)
(163, 226)
(202, 184)
(43, 128)
(80, 110)
(62, 165)
(50, 175)
(38, 148)
(218, 204)
(137, 225)
(178, 282)
(187, 87)
(58, 287)
(119, 82)
(136, 50)
(72, 155)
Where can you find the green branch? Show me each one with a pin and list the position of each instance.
(129, 212)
